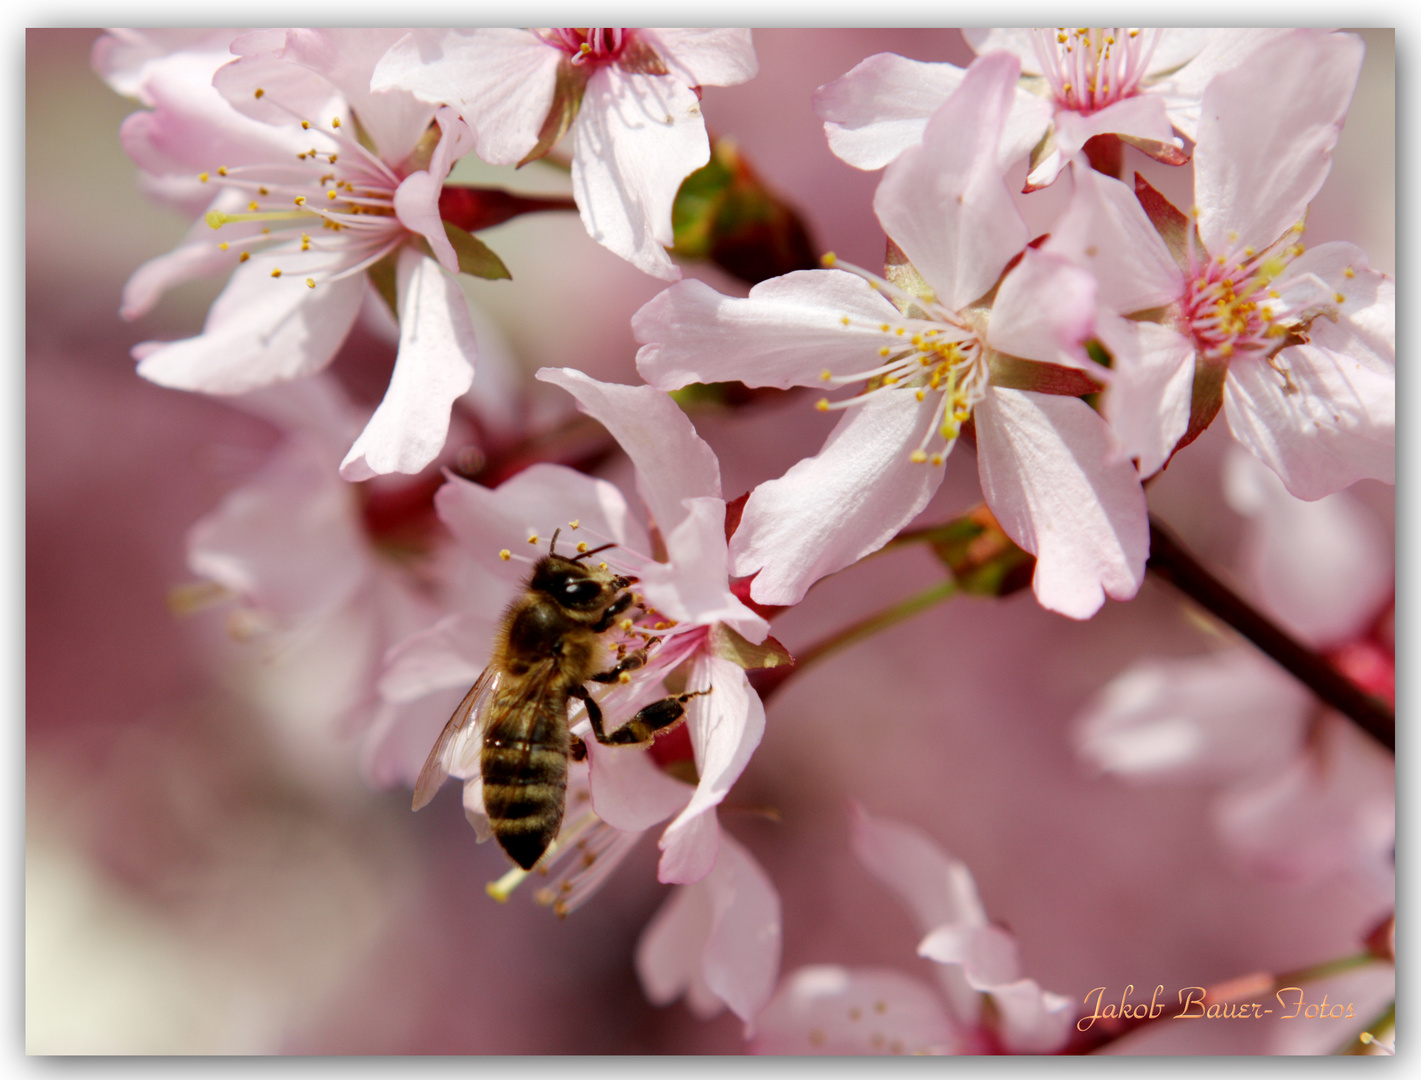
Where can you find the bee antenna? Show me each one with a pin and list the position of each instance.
(579, 557)
(553, 543)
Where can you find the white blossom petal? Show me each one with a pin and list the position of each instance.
(1223, 49)
(1266, 137)
(945, 201)
(629, 791)
(1150, 391)
(880, 107)
(785, 333)
(987, 954)
(417, 197)
(635, 139)
(726, 726)
(1045, 310)
(1032, 1020)
(831, 510)
(705, 56)
(434, 366)
(259, 331)
(672, 462)
(1043, 462)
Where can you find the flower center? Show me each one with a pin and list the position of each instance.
(937, 358)
(335, 198)
(588, 44)
(1230, 304)
(1091, 67)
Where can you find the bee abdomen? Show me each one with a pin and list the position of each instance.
(525, 786)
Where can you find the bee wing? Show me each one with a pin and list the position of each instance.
(473, 707)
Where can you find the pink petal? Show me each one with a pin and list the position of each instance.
(880, 107)
(1142, 116)
(1044, 310)
(726, 726)
(1150, 390)
(945, 201)
(500, 80)
(785, 333)
(831, 510)
(668, 955)
(417, 197)
(1337, 423)
(1032, 1020)
(1222, 715)
(741, 959)
(986, 954)
(937, 888)
(260, 330)
(1324, 568)
(1105, 231)
(1266, 137)
(435, 365)
(629, 791)
(705, 56)
(1043, 462)
(693, 587)
(128, 59)
(834, 1010)
(1223, 50)
(672, 462)
(633, 142)
(534, 502)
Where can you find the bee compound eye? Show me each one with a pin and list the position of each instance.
(581, 592)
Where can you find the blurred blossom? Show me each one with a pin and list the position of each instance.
(630, 98)
(833, 1010)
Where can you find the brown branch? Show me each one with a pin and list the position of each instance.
(1170, 561)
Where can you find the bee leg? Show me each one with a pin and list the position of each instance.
(619, 605)
(642, 728)
(578, 749)
(628, 663)
(594, 712)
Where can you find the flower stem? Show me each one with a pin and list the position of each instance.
(867, 627)
(1170, 561)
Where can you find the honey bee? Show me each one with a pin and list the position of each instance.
(548, 645)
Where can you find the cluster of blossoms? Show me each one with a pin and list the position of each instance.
(1075, 361)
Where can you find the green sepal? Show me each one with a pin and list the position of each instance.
(983, 559)
(726, 643)
(382, 276)
(475, 257)
(725, 214)
(567, 99)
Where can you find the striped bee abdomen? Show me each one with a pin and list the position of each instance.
(524, 768)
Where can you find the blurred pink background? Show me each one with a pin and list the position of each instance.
(192, 886)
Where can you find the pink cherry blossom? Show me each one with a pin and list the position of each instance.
(934, 358)
(1297, 345)
(1140, 84)
(299, 208)
(630, 98)
(828, 1010)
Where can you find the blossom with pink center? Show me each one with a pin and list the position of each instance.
(979, 328)
(316, 190)
(629, 97)
(1302, 792)
(827, 1009)
(1296, 345)
(1077, 82)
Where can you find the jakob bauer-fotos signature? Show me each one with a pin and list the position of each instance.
(1194, 1003)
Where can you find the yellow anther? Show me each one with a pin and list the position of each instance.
(505, 554)
(901, 331)
(305, 125)
(884, 351)
(331, 194)
(828, 259)
(222, 246)
(276, 273)
(626, 625)
(202, 176)
(661, 626)
(922, 394)
(581, 548)
(300, 200)
(584, 48)
(1250, 252)
(222, 170)
(937, 459)
(822, 404)
(260, 93)
(1349, 272)
(503, 888)
(310, 283)
(244, 256)
(332, 159)
(601, 566)
(827, 375)
(1339, 298)
(254, 206)
(917, 457)
(624, 678)
(533, 539)
(335, 121)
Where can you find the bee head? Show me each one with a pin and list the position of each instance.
(574, 585)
